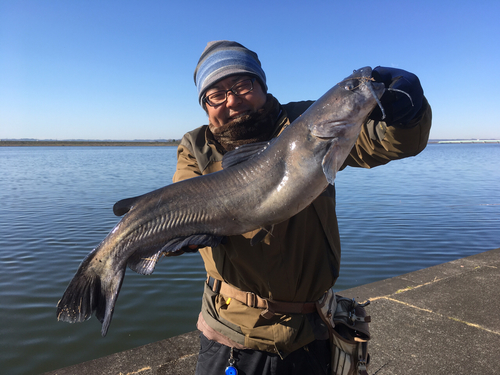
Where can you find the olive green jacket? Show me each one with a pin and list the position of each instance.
(300, 260)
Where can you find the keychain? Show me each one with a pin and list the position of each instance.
(231, 370)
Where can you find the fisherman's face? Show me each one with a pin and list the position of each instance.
(235, 105)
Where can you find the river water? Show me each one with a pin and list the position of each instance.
(55, 206)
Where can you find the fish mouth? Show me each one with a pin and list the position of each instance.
(351, 84)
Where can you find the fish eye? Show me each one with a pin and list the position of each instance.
(351, 84)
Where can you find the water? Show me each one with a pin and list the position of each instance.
(55, 206)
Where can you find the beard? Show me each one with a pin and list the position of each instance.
(258, 126)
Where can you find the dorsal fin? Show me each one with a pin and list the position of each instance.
(123, 206)
(243, 153)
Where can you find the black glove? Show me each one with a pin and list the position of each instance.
(403, 96)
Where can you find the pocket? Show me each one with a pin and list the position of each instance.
(213, 357)
(348, 357)
(349, 333)
(208, 348)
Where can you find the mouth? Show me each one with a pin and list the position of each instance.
(236, 115)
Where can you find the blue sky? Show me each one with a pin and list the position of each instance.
(124, 69)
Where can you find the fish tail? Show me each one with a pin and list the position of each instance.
(87, 294)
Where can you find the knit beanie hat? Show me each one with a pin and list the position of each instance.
(222, 59)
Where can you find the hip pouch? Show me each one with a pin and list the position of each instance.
(349, 333)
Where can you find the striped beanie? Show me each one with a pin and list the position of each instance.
(222, 59)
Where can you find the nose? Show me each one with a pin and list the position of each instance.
(232, 99)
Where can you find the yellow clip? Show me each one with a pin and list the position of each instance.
(228, 301)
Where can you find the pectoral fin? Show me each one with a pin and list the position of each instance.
(330, 163)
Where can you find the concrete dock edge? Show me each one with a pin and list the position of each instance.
(439, 320)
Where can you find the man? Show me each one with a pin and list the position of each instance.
(300, 259)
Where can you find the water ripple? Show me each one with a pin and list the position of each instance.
(57, 205)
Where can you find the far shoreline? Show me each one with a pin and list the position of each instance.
(87, 143)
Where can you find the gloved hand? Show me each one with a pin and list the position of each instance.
(185, 249)
(400, 87)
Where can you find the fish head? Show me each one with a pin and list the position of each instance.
(337, 117)
(365, 89)
(341, 111)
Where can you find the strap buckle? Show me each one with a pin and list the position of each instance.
(214, 284)
(251, 299)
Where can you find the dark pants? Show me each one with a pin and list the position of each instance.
(313, 358)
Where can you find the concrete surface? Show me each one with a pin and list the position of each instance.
(440, 320)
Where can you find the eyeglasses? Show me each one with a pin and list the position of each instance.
(239, 88)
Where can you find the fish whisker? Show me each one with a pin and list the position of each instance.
(403, 92)
(370, 87)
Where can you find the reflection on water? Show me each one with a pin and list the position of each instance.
(56, 206)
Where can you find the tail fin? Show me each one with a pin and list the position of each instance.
(87, 294)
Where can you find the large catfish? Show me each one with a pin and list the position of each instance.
(260, 185)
